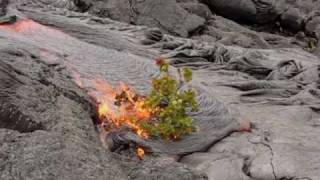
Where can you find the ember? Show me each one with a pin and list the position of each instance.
(140, 152)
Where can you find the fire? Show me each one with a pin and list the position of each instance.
(103, 110)
(140, 152)
(120, 106)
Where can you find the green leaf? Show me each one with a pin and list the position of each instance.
(187, 74)
(164, 68)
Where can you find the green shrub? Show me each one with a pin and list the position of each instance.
(170, 116)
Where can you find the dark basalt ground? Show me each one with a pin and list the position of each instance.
(262, 66)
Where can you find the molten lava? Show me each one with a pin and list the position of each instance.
(22, 26)
(140, 152)
(34, 31)
(120, 107)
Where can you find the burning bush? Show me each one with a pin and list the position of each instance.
(162, 113)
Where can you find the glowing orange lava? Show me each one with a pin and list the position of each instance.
(140, 152)
(21, 26)
(118, 107)
(30, 28)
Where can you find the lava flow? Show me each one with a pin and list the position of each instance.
(140, 152)
(21, 26)
(30, 27)
(121, 107)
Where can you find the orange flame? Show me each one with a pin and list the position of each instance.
(126, 113)
(129, 111)
(140, 153)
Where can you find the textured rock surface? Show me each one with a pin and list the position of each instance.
(290, 18)
(166, 15)
(291, 13)
(46, 124)
(46, 132)
(46, 129)
(267, 24)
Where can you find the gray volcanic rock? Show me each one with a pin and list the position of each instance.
(166, 15)
(295, 22)
(273, 16)
(227, 32)
(3, 7)
(86, 43)
(292, 19)
(197, 8)
(46, 129)
(312, 27)
(46, 120)
(277, 90)
(292, 15)
(237, 10)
